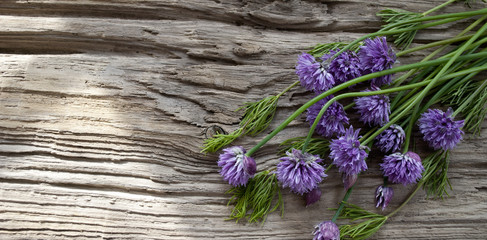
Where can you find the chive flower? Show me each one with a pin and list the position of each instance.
(391, 139)
(402, 168)
(347, 153)
(300, 171)
(332, 121)
(326, 230)
(439, 129)
(383, 196)
(314, 75)
(236, 167)
(374, 109)
(375, 56)
(345, 66)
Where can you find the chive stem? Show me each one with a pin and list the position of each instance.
(342, 204)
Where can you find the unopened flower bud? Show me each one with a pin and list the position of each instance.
(349, 180)
(249, 165)
(313, 196)
(383, 196)
(413, 156)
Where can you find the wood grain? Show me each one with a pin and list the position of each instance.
(102, 105)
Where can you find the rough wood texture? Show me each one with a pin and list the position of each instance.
(102, 105)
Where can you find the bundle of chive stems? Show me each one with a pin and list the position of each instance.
(452, 75)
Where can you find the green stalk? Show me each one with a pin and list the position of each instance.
(392, 32)
(328, 168)
(354, 94)
(450, 17)
(438, 7)
(456, 56)
(409, 129)
(407, 200)
(274, 101)
(470, 98)
(352, 82)
(436, 17)
(367, 134)
(435, 44)
(400, 99)
(444, 89)
(434, 53)
(384, 91)
(342, 204)
(288, 88)
(470, 72)
(412, 118)
(348, 106)
(456, 83)
(426, 176)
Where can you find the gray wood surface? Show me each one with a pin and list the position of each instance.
(102, 105)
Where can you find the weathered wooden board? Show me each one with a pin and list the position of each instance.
(102, 105)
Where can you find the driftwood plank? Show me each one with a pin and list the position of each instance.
(102, 106)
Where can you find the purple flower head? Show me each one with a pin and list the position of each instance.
(376, 55)
(326, 230)
(374, 109)
(300, 171)
(236, 168)
(332, 121)
(391, 139)
(439, 129)
(314, 75)
(349, 180)
(313, 196)
(345, 66)
(348, 154)
(383, 196)
(402, 168)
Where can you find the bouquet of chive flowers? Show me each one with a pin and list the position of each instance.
(442, 96)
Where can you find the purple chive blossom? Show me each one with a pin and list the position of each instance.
(345, 66)
(332, 121)
(391, 139)
(313, 196)
(314, 75)
(383, 196)
(374, 109)
(439, 129)
(375, 55)
(326, 230)
(402, 168)
(300, 171)
(236, 168)
(348, 154)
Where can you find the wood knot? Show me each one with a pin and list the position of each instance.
(247, 49)
(213, 130)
